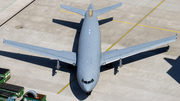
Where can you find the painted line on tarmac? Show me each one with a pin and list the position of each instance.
(67, 85)
(8, 6)
(144, 26)
(135, 25)
(70, 12)
(17, 13)
(131, 23)
(120, 38)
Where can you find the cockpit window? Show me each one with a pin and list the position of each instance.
(87, 82)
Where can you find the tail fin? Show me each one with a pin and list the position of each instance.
(104, 10)
(76, 10)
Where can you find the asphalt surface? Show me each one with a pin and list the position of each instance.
(153, 75)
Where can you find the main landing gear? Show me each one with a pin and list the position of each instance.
(58, 65)
(116, 67)
(120, 63)
(89, 93)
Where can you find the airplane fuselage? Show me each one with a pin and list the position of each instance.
(89, 57)
(89, 51)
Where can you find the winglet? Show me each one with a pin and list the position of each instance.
(176, 35)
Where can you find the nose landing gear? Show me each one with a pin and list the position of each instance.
(89, 93)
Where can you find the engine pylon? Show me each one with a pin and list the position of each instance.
(120, 63)
(58, 65)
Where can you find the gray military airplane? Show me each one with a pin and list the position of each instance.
(90, 58)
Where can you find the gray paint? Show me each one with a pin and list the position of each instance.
(89, 51)
(90, 57)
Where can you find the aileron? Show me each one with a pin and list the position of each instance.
(114, 55)
(65, 56)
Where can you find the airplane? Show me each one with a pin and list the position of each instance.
(90, 58)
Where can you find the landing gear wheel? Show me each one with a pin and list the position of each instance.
(71, 67)
(89, 93)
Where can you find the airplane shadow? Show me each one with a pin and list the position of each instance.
(42, 61)
(103, 21)
(46, 62)
(134, 58)
(76, 89)
(174, 71)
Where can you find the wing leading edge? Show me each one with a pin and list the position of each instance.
(114, 55)
(76, 10)
(64, 56)
(104, 10)
(98, 12)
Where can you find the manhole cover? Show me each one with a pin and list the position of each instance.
(19, 27)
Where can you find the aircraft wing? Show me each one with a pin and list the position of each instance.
(114, 55)
(76, 10)
(64, 56)
(104, 10)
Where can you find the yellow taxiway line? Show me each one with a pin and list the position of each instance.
(131, 23)
(137, 24)
(144, 26)
(67, 85)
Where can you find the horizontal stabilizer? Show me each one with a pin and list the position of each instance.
(103, 21)
(114, 55)
(75, 10)
(104, 10)
(64, 56)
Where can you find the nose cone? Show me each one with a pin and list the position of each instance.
(87, 88)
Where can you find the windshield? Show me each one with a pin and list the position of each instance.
(87, 82)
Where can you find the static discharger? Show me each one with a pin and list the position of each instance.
(90, 13)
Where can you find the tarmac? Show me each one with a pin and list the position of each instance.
(153, 75)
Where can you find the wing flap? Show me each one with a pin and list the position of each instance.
(65, 56)
(114, 55)
(76, 10)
